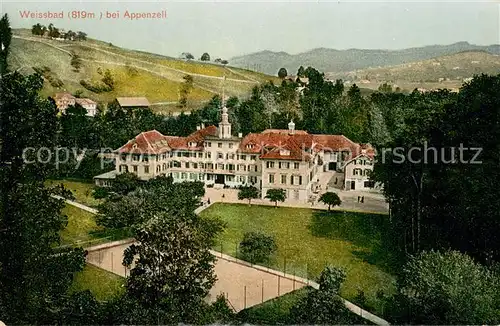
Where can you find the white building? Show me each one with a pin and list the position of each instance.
(63, 100)
(289, 159)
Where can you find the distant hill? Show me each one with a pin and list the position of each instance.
(448, 71)
(136, 73)
(331, 60)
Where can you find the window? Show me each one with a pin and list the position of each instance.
(200, 155)
(243, 157)
(158, 169)
(219, 145)
(192, 176)
(208, 155)
(220, 156)
(242, 178)
(176, 164)
(220, 166)
(231, 156)
(291, 180)
(300, 180)
(135, 157)
(296, 165)
(183, 175)
(209, 144)
(123, 157)
(270, 164)
(357, 172)
(249, 146)
(230, 167)
(145, 158)
(367, 172)
(187, 165)
(256, 168)
(195, 165)
(164, 166)
(146, 168)
(253, 157)
(283, 179)
(369, 184)
(200, 176)
(271, 178)
(179, 154)
(135, 168)
(176, 175)
(230, 145)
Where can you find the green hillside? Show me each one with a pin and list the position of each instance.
(448, 71)
(136, 73)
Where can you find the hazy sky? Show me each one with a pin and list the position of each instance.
(231, 28)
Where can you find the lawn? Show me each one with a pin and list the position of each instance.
(277, 310)
(80, 225)
(309, 239)
(104, 285)
(80, 189)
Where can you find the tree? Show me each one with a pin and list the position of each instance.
(224, 62)
(330, 199)
(187, 56)
(248, 193)
(108, 79)
(257, 247)
(276, 195)
(30, 218)
(447, 288)
(5, 39)
(301, 72)
(81, 36)
(174, 269)
(282, 73)
(185, 89)
(205, 57)
(328, 307)
(36, 29)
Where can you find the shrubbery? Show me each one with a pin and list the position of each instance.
(257, 247)
(96, 87)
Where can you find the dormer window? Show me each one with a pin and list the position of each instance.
(284, 152)
(249, 146)
(134, 146)
(192, 144)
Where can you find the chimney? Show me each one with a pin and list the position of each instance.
(203, 126)
(198, 127)
(291, 127)
(240, 135)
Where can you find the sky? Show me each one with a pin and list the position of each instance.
(230, 28)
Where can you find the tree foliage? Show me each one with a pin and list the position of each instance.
(257, 247)
(447, 288)
(330, 199)
(276, 195)
(248, 193)
(282, 73)
(205, 57)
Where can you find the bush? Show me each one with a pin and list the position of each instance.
(96, 87)
(257, 247)
(100, 193)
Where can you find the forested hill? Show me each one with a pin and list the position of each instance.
(331, 60)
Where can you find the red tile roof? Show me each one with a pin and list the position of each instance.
(153, 142)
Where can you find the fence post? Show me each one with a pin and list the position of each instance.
(245, 298)
(112, 270)
(262, 288)
(279, 279)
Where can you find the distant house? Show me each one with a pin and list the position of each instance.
(88, 105)
(133, 102)
(63, 100)
(302, 80)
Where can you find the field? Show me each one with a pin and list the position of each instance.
(308, 240)
(104, 285)
(136, 73)
(80, 189)
(448, 71)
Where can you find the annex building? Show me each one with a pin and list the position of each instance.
(290, 159)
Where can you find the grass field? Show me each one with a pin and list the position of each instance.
(136, 73)
(103, 284)
(80, 225)
(80, 189)
(308, 240)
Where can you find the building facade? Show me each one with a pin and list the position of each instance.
(275, 158)
(63, 100)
